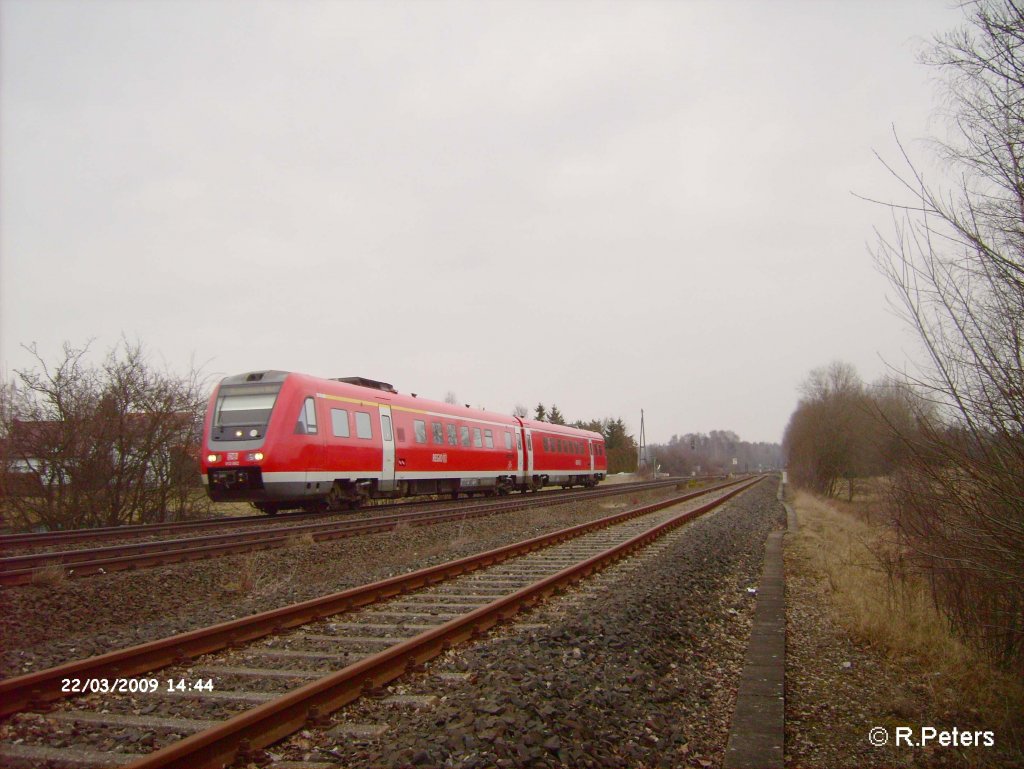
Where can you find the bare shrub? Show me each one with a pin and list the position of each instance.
(955, 258)
(101, 445)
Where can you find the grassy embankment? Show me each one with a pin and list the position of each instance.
(890, 608)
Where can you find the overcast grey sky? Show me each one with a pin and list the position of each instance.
(609, 206)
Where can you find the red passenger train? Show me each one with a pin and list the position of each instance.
(284, 441)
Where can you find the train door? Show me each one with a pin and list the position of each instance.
(520, 455)
(590, 444)
(387, 479)
(528, 466)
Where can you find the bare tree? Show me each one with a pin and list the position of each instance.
(101, 445)
(955, 258)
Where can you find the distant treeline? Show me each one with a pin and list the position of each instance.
(700, 454)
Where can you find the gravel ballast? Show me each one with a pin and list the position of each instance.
(637, 667)
(42, 626)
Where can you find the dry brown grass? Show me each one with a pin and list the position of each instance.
(894, 612)
(52, 576)
(252, 576)
(300, 540)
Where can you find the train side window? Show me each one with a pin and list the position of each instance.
(508, 441)
(420, 428)
(339, 423)
(306, 424)
(453, 438)
(363, 428)
(519, 442)
(488, 439)
(476, 437)
(464, 434)
(385, 426)
(438, 429)
(544, 443)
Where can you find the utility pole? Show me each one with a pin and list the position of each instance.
(642, 459)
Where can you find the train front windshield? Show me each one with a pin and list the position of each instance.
(243, 411)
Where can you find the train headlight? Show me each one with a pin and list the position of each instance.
(212, 458)
(255, 456)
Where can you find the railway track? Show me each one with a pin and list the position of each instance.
(23, 569)
(11, 542)
(266, 676)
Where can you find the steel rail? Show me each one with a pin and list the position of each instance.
(22, 569)
(270, 722)
(35, 690)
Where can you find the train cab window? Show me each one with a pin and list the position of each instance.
(488, 439)
(339, 423)
(477, 441)
(464, 435)
(453, 439)
(306, 423)
(420, 429)
(363, 428)
(508, 441)
(438, 429)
